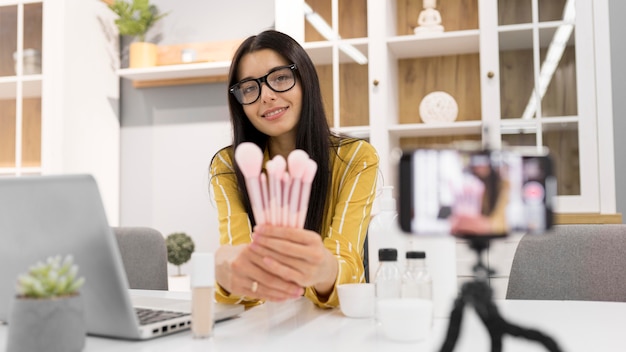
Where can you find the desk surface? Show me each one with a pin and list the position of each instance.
(298, 325)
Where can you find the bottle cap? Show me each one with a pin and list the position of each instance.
(387, 255)
(386, 201)
(415, 255)
(203, 270)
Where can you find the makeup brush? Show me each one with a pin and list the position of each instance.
(266, 198)
(296, 163)
(275, 176)
(269, 169)
(307, 178)
(286, 188)
(249, 157)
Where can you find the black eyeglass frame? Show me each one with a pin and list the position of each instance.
(261, 80)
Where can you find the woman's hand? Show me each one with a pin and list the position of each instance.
(296, 255)
(242, 272)
(464, 224)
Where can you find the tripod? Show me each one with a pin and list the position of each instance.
(478, 294)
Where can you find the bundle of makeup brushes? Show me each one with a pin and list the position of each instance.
(281, 195)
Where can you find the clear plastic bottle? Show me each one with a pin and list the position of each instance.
(388, 278)
(416, 280)
(384, 232)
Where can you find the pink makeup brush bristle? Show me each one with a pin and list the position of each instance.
(296, 162)
(249, 158)
(280, 165)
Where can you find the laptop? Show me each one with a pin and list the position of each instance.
(43, 216)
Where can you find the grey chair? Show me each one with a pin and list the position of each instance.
(144, 254)
(571, 262)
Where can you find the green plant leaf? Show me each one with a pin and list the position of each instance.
(136, 18)
(50, 279)
(179, 248)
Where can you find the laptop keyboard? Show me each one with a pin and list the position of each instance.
(149, 316)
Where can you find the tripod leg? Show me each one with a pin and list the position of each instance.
(497, 327)
(454, 326)
(494, 324)
(532, 334)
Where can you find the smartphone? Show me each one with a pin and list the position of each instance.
(468, 193)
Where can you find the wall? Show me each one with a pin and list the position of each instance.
(618, 58)
(169, 134)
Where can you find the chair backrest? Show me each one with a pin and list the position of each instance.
(144, 254)
(571, 262)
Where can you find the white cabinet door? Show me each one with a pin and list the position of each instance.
(537, 60)
(20, 87)
(59, 92)
(523, 72)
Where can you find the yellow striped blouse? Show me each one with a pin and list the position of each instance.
(354, 170)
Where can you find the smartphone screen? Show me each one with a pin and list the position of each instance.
(475, 193)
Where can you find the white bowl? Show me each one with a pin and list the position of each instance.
(357, 300)
(405, 319)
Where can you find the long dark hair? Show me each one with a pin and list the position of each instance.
(313, 134)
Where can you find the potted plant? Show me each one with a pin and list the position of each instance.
(47, 312)
(179, 249)
(135, 19)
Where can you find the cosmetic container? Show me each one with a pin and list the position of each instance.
(388, 278)
(202, 294)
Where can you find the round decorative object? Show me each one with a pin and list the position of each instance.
(438, 107)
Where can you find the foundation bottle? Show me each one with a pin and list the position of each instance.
(202, 294)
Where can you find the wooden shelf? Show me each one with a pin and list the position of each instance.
(436, 129)
(321, 53)
(515, 126)
(31, 86)
(435, 44)
(520, 36)
(354, 131)
(192, 73)
(587, 218)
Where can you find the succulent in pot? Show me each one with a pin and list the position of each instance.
(134, 19)
(56, 277)
(47, 312)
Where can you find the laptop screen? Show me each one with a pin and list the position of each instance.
(43, 216)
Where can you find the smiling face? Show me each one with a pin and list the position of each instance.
(274, 114)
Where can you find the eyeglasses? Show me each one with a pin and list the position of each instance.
(279, 79)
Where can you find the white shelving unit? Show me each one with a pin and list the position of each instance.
(487, 79)
(385, 122)
(65, 119)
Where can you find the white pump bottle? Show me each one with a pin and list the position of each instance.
(384, 232)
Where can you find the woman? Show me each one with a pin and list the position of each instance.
(275, 102)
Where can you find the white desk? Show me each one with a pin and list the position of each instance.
(300, 326)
